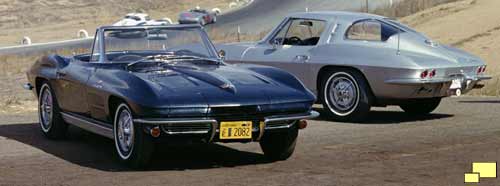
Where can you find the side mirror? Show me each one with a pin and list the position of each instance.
(222, 54)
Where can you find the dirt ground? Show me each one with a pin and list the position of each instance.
(389, 149)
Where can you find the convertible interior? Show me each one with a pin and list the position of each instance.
(301, 32)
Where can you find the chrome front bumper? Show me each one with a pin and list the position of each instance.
(188, 126)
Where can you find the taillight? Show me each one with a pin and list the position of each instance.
(481, 69)
(432, 73)
(424, 74)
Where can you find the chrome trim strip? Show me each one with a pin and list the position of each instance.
(175, 121)
(435, 80)
(88, 125)
(215, 128)
(480, 78)
(187, 132)
(311, 114)
(262, 127)
(280, 127)
(417, 81)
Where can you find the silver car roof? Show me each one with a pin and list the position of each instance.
(340, 15)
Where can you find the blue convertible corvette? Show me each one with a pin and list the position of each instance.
(144, 85)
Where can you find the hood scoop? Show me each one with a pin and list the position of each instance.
(212, 78)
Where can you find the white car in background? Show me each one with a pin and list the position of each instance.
(133, 19)
(138, 19)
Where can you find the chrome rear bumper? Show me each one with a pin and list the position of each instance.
(187, 126)
(434, 81)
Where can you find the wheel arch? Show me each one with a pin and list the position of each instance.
(38, 84)
(325, 69)
(112, 104)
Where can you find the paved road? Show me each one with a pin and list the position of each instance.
(388, 149)
(263, 15)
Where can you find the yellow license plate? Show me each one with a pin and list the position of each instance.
(235, 130)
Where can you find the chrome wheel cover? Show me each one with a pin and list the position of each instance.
(46, 109)
(342, 93)
(124, 132)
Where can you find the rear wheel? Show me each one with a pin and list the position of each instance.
(345, 95)
(51, 121)
(421, 106)
(279, 146)
(133, 146)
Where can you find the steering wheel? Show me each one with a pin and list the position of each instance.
(127, 57)
(294, 40)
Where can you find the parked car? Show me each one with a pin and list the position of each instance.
(166, 84)
(354, 61)
(198, 16)
(138, 19)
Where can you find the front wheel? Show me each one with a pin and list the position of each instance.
(278, 146)
(421, 106)
(51, 121)
(133, 146)
(345, 95)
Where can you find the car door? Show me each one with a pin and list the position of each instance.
(290, 48)
(97, 96)
(95, 93)
(72, 80)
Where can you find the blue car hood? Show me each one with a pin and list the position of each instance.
(218, 85)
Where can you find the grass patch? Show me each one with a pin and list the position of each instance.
(408, 7)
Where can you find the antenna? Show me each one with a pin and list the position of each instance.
(367, 7)
(399, 41)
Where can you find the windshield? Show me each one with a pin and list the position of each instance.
(199, 11)
(156, 41)
(133, 17)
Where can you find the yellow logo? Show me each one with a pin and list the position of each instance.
(481, 170)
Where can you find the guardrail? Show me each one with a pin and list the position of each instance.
(40, 47)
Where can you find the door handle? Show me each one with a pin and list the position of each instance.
(303, 58)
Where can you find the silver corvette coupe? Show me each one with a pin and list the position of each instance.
(354, 61)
